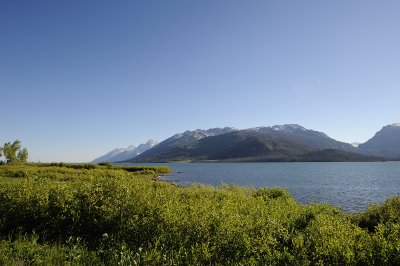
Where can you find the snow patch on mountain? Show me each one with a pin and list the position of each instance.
(288, 128)
(201, 133)
(355, 144)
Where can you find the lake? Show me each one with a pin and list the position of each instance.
(350, 186)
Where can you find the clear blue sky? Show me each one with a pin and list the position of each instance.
(79, 78)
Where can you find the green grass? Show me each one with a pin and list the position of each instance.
(110, 215)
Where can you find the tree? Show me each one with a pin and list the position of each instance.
(13, 152)
(9, 151)
(23, 155)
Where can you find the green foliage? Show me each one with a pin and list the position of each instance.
(107, 164)
(23, 155)
(134, 169)
(10, 151)
(14, 153)
(27, 250)
(271, 193)
(156, 169)
(388, 212)
(97, 215)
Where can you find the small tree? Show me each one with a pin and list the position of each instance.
(13, 152)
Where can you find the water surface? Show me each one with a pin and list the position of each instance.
(350, 186)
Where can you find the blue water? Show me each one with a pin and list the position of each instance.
(350, 186)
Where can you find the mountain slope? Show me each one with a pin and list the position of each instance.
(249, 144)
(180, 140)
(244, 144)
(385, 142)
(315, 139)
(332, 155)
(122, 154)
(280, 142)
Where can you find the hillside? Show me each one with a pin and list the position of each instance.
(385, 142)
(332, 155)
(169, 146)
(246, 145)
(315, 139)
(277, 143)
(234, 145)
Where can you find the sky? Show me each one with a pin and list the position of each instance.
(80, 78)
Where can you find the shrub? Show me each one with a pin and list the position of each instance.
(388, 212)
(271, 193)
(106, 164)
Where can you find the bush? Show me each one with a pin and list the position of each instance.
(106, 164)
(271, 193)
(388, 212)
(27, 250)
(156, 169)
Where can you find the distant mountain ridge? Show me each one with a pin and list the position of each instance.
(289, 142)
(122, 154)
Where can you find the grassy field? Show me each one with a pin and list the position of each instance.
(65, 214)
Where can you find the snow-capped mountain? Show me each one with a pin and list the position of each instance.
(225, 142)
(288, 142)
(108, 156)
(285, 142)
(144, 147)
(122, 154)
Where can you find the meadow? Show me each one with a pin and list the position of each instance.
(85, 214)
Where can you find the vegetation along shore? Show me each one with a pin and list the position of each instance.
(113, 215)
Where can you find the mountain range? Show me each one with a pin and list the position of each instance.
(122, 154)
(289, 142)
